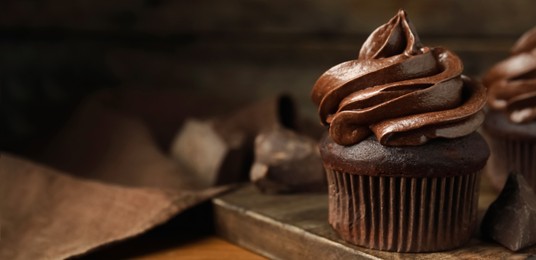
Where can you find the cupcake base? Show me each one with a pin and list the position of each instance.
(513, 148)
(403, 214)
(405, 199)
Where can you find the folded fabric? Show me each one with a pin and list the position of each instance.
(45, 214)
(106, 178)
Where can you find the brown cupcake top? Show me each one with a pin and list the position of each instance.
(512, 82)
(398, 90)
(442, 158)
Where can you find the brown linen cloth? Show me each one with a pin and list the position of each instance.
(46, 214)
(115, 180)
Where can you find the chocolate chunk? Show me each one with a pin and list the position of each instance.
(214, 158)
(287, 162)
(220, 151)
(260, 116)
(511, 219)
(310, 128)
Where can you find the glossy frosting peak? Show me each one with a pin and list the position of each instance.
(400, 91)
(512, 82)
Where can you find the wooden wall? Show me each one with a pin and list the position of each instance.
(54, 52)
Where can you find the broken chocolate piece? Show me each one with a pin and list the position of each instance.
(213, 157)
(220, 151)
(310, 128)
(260, 116)
(511, 219)
(287, 162)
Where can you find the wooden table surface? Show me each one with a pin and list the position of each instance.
(196, 242)
(209, 247)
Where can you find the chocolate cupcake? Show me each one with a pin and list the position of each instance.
(510, 125)
(402, 157)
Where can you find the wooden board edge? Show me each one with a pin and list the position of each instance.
(274, 239)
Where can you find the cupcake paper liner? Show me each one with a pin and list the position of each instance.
(403, 214)
(512, 155)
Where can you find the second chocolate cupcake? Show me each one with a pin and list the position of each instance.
(511, 123)
(402, 155)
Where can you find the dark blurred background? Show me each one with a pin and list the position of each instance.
(53, 53)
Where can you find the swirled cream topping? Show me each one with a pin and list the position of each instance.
(512, 82)
(400, 91)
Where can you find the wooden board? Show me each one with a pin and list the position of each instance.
(296, 227)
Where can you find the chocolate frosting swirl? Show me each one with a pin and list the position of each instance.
(398, 90)
(512, 82)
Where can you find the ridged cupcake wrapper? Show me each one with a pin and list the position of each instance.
(512, 155)
(403, 214)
